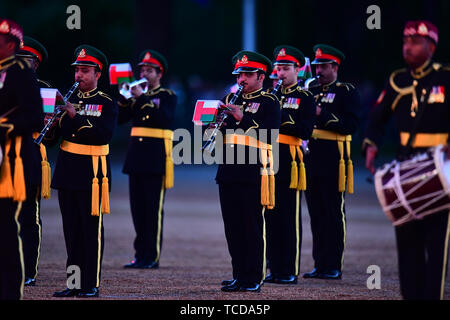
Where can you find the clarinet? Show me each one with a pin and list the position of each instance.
(211, 142)
(57, 113)
(277, 87)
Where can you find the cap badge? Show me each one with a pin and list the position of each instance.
(82, 53)
(282, 53)
(4, 27)
(318, 52)
(244, 59)
(422, 29)
(148, 56)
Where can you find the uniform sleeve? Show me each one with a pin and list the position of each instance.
(125, 109)
(30, 115)
(97, 130)
(379, 115)
(345, 121)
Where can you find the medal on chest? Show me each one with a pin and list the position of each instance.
(437, 95)
(93, 110)
(252, 107)
(292, 103)
(328, 98)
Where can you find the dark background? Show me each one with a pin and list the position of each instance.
(199, 37)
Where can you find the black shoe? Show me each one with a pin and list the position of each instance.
(30, 282)
(313, 274)
(290, 279)
(135, 264)
(151, 265)
(90, 293)
(228, 282)
(232, 287)
(331, 274)
(270, 278)
(250, 287)
(66, 293)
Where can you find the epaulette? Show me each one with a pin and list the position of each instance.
(347, 85)
(305, 91)
(269, 95)
(45, 83)
(105, 95)
(169, 91)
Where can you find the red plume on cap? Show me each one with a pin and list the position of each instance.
(9, 27)
(421, 28)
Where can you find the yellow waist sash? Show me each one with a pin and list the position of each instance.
(267, 178)
(298, 181)
(340, 138)
(167, 135)
(96, 152)
(424, 140)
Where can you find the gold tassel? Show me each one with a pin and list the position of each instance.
(6, 184)
(302, 177)
(105, 195)
(20, 193)
(294, 175)
(350, 176)
(341, 175)
(272, 190)
(46, 178)
(95, 197)
(264, 188)
(169, 173)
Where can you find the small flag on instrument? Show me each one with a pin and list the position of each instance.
(120, 72)
(305, 71)
(48, 99)
(205, 111)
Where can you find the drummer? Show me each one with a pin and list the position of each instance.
(416, 97)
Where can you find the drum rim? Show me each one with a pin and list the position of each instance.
(438, 155)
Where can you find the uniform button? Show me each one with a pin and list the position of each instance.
(147, 116)
(415, 83)
(321, 94)
(140, 139)
(80, 101)
(143, 118)
(73, 134)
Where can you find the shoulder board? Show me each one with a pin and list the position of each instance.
(269, 95)
(305, 91)
(171, 92)
(45, 83)
(105, 95)
(347, 85)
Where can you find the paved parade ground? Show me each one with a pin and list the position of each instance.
(195, 259)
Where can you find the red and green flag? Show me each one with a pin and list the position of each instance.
(205, 111)
(119, 73)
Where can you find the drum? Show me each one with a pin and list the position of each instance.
(415, 188)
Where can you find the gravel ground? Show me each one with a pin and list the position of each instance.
(195, 259)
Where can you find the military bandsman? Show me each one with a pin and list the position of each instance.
(298, 114)
(329, 168)
(149, 161)
(416, 97)
(82, 174)
(21, 114)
